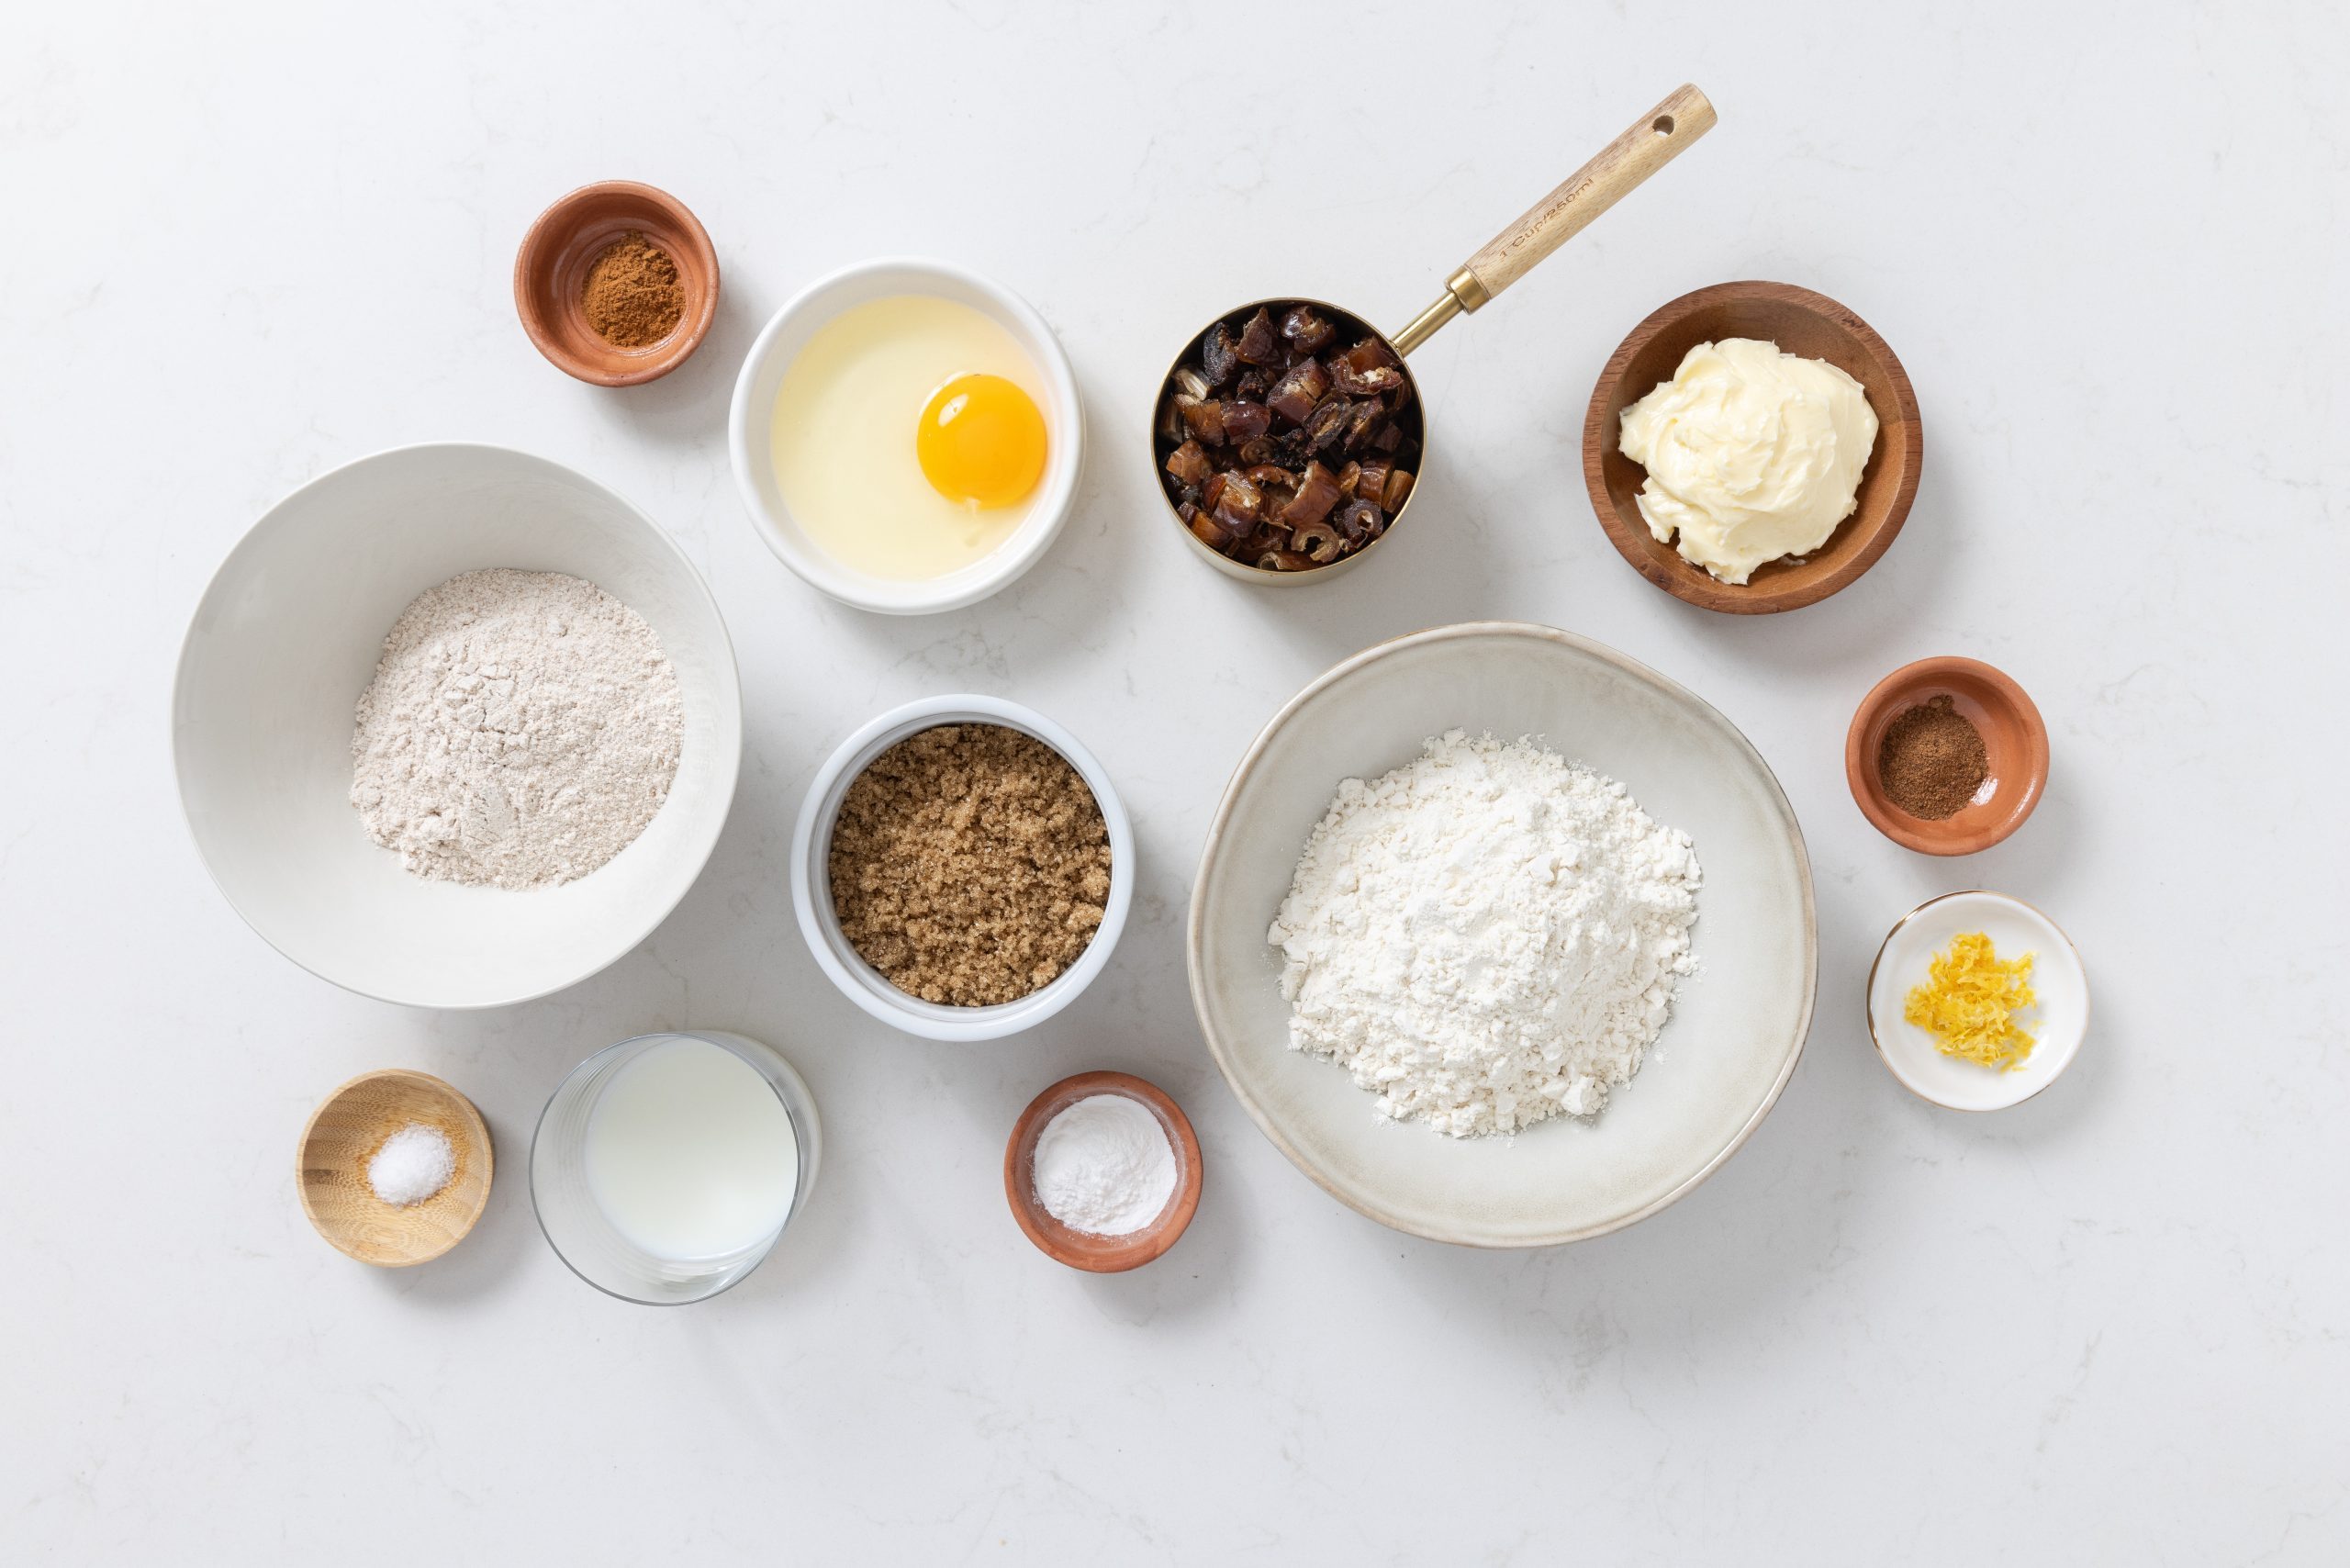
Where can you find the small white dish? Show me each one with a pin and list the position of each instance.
(812, 885)
(286, 638)
(762, 377)
(2058, 1024)
(1738, 1025)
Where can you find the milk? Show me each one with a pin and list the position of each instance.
(689, 1154)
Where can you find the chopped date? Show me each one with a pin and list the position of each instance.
(1317, 494)
(1189, 463)
(1300, 389)
(1286, 437)
(1244, 421)
(1257, 344)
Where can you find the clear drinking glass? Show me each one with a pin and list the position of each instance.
(575, 1223)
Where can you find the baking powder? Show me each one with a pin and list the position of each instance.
(1104, 1165)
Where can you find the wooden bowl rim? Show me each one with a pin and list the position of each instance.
(1906, 686)
(541, 242)
(1089, 1253)
(1859, 550)
(476, 1132)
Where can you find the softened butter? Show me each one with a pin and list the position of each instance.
(1752, 455)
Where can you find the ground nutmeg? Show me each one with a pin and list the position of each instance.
(633, 295)
(1932, 760)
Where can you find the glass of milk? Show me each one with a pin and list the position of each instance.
(665, 1168)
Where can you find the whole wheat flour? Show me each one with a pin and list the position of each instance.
(521, 729)
(1486, 937)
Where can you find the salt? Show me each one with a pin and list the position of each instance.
(1105, 1166)
(413, 1163)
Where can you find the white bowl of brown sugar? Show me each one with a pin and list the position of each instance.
(962, 867)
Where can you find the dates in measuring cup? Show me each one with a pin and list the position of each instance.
(1288, 438)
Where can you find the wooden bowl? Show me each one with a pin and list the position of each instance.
(1082, 1249)
(346, 1130)
(1802, 323)
(552, 267)
(2012, 734)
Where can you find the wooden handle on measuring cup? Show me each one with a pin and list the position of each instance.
(1659, 137)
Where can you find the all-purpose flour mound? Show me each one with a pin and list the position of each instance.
(522, 728)
(1486, 937)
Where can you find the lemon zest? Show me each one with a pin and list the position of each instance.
(1970, 1001)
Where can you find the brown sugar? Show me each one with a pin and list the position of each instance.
(1932, 761)
(631, 296)
(969, 865)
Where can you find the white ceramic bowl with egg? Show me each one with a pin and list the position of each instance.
(811, 884)
(286, 638)
(751, 435)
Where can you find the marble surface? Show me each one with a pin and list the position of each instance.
(246, 246)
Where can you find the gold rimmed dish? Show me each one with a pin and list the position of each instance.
(2059, 1022)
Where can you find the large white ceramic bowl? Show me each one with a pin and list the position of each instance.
(811, 881)
(749, 434)
(1738, 1025)
(286, 638)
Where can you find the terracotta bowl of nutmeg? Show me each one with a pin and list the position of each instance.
(616, 284)
(1946, 757)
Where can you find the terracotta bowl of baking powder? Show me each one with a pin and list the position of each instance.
(1082, 1249)
(2012, 734)
(550, 270)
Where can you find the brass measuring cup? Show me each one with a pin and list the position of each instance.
(1655, 140)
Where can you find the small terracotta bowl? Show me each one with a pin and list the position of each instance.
(347, 1129)
(1808, 325)
(1078, 1248)
(552, 267)
(2012, 734)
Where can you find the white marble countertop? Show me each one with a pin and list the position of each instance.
(2107, 1325)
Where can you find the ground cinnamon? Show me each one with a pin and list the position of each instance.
(1932, 761)
(633, 296)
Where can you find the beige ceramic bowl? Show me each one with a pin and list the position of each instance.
(1738, 1025)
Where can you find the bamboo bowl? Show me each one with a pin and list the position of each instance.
(1082, 1249)
(346, 1130)
(1810, 325)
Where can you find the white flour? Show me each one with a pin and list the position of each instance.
(522, 728)
(1486, 937)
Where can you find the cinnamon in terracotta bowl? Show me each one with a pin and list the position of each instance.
(616, 284)
(1946, 757)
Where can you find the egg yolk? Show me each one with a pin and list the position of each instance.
(981, 442)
